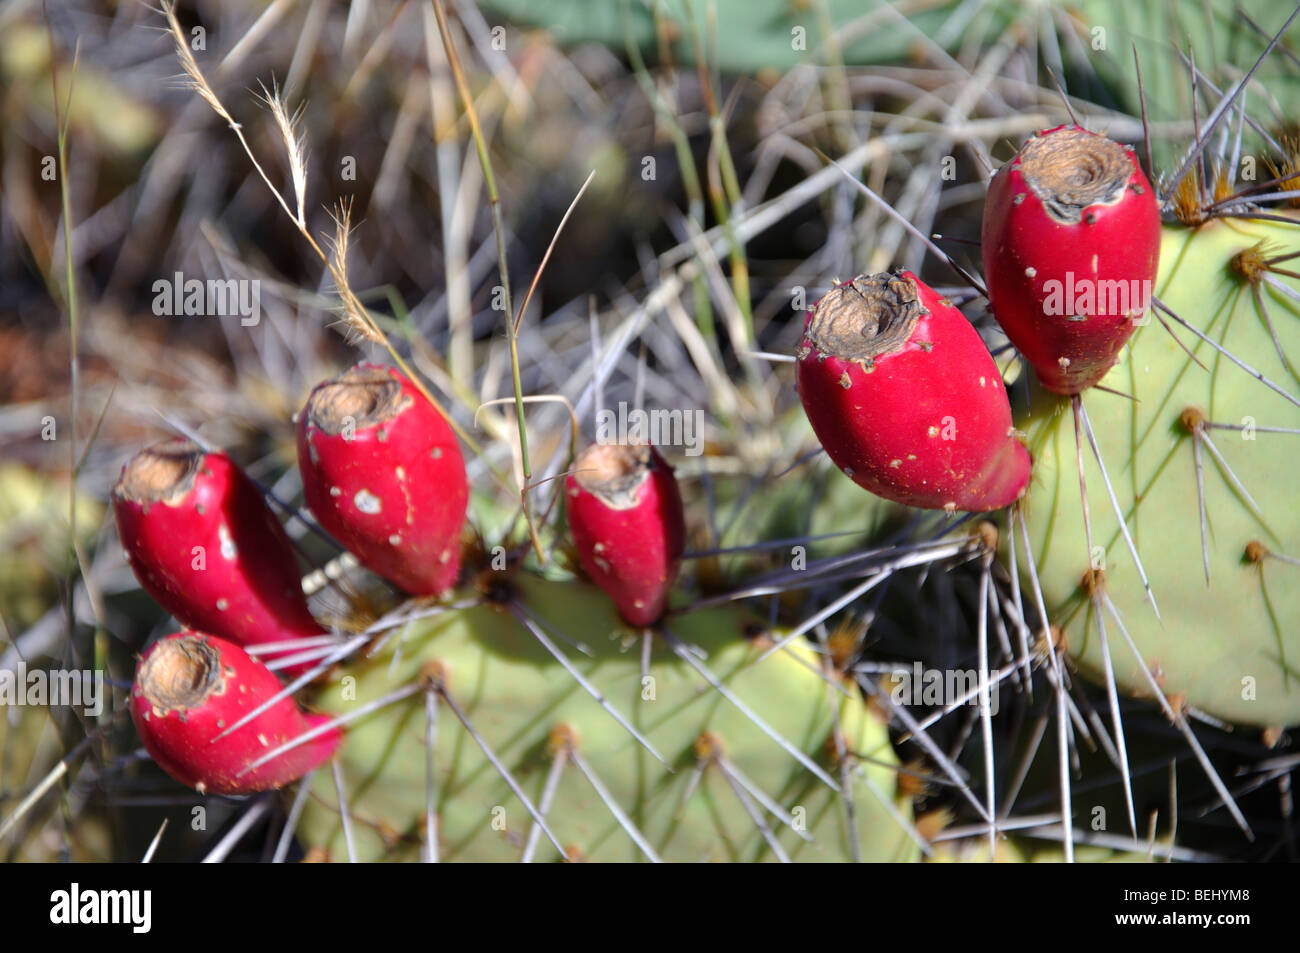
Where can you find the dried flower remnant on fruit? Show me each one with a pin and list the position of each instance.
(628, 526)
(863, 319)
(614, 472)
(182, 674)
(360, 397)
(1072, 170)
(161, 473)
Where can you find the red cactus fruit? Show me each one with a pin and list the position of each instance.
(204, 544)
(906, 399)
(1071, 242)
(382, 471)
(625, 514)
(189, 688)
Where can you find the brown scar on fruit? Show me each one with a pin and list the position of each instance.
(1071, 170)
(356, 399)
(161, 473)
(866, 318)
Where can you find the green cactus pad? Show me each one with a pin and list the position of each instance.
(515, 695)
(1232, 647)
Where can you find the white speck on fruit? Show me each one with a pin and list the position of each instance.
(1063, 361)
(444, 557)
(1031, 272)
(261, 738)
(335, 491)
(401, 473)
(982, 381)
(228, 550)
(911, 456)
(604, 566)
(598, 548)
(895, 463)
(436, 453)
(312, 454)
(395, 540)
(1094, 264)
(367, 502)
(222, 604)
(933, 431)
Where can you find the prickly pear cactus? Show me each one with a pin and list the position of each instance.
(720, 772)
(1195, 440)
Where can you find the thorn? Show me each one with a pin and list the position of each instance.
(682, 653)
(1114, 502)
(345, 813)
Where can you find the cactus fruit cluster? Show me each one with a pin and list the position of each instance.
(629, 656)
(521, 716)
